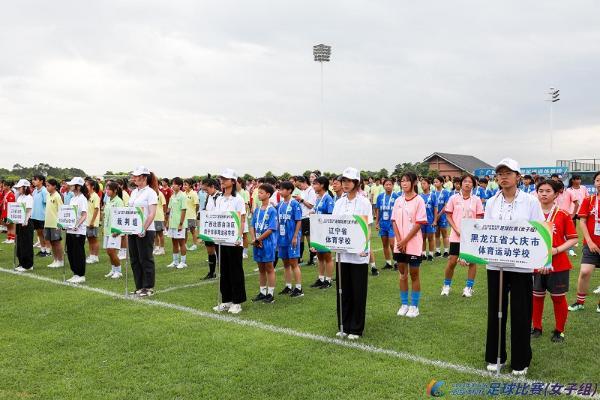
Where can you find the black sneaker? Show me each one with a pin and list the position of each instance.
(557, 337)
(259, 297)
(210, 275)
(437, 254)
(445, 255)
(430, 258)
(146, 293)
(269, 299)
(297, 293)
(40, 253)
(536, 333)
(136, 292)
(326, 284)
(286, 290)
(387, 266)
(318, 283)
(310, 263)
(374, 271)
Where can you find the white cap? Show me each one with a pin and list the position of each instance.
(141, 170)
(510, 164)
(229, 173)
(351, 173)
(22, 183)
(76, 181)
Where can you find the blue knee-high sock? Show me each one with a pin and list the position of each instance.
(404, 297)
(415, 297)
(470, 283)
(447, 282)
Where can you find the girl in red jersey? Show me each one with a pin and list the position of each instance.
(554, 278)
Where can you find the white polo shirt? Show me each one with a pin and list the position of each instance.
(309, 196)
(360, 205)
(144, 198)
(231, 203)
(525, 207)
(82, 203)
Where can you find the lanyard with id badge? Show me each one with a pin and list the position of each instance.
(596, 218)
(386, 212)
(260, 227)
(282, 223)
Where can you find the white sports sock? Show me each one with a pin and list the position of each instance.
(263, 290)
(288, 285)
(183, 258)
(389, 262)
(270, 290)
(321, 278)
(299, 286)
(437, 249)
(328, 278)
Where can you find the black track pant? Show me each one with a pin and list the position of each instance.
(232, 285)
(142, 260)
(25, 244)
(518, 287)
(354, 279)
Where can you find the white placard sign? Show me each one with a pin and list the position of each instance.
(16, 213)
(340, 233)
(67, 217)
(220, 226)
(516, 244)
(127, 220)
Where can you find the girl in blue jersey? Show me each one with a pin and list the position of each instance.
(289, 216)
(383, 217)
(264, 240)
(431, 208)
(324, 205)
(441, 221)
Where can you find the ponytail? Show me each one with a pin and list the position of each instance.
(114, 186)
(152, 181)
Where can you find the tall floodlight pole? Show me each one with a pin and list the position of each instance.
(553, 96)
(322, 53)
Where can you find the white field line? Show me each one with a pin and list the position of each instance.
(294, 333)
(201, 283)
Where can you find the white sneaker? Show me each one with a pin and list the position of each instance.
(10, 241)
(109, 275)
(245, 255)
(412, 312)
(467, 292)
(402, 311)
(256, 269)
(155, 251)
(80, 279)
(445, 290)
(172, 265)
(235, 309)
(353, 337)
(341, 335)
(52, 264)
(572, 254)
(160, 251)
(193, 248)
(222, 307)
(92, 260)
(21, 269)
(493, 367)
(597, 291)
(57, 264)
(37, 244)
(116, 275)
(521, 372)
(181, 265)
(72, 279)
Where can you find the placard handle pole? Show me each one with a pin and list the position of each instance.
(219, 298)
(339, 284)
(500, 284)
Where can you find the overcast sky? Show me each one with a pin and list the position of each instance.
(186, 87)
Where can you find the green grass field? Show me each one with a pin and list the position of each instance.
(60, 342)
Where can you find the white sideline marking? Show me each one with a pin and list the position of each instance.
(291, 332)
(201, 283)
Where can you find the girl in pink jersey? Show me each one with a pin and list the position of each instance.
(408, 216)
(461, 205)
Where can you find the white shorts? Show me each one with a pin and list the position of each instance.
(176, 234)
(112, 242)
